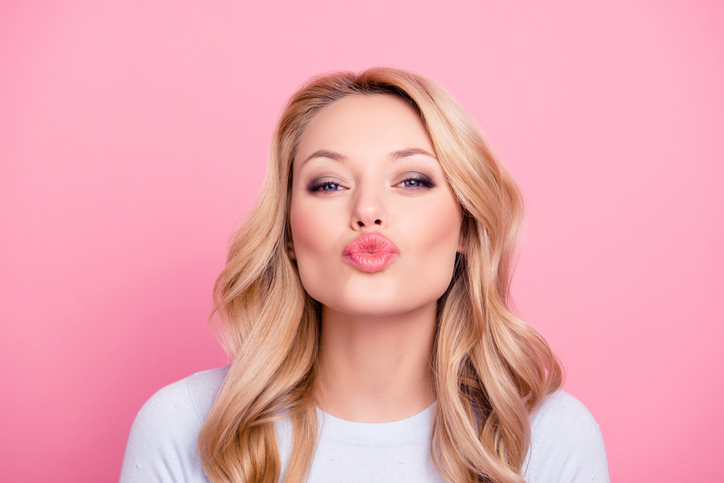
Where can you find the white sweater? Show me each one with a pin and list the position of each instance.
(566, 445)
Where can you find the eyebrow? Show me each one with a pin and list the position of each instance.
(394, 155)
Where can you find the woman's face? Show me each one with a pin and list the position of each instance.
(375, 225)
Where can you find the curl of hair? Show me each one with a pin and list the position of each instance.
(492, 369)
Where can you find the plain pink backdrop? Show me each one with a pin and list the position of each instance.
(133, 138)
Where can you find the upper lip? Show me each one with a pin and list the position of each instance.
(370, 243)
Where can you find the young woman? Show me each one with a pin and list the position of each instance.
(365, 308)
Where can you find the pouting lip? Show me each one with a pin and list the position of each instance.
(371, 243)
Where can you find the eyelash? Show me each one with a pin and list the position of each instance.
(319, 184)
(423, 181)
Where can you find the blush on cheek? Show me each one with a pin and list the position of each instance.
(308, 241)
(444, 232)
(303, 229)
(444, 241)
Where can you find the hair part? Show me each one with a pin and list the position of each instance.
(492, 369)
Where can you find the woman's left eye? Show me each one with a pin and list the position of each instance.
(417, 182)
(329, 187)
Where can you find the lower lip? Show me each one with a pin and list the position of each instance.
(370, 262)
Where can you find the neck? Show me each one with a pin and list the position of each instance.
(376, 368)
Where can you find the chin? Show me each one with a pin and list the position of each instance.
(378, 297)
(382, 304)
(368, 305)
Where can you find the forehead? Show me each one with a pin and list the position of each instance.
(365, 123)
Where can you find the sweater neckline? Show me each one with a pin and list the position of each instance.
(393, 432)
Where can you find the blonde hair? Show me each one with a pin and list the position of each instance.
(492, 369)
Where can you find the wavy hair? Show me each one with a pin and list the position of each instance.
(491, 368)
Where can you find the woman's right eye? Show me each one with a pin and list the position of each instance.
(325, 185)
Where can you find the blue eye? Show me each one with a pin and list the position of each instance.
(324, 185)
(417, 182)
(411, 183)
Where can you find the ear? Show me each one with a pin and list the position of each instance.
(290, 250)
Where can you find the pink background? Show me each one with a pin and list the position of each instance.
(133, 138)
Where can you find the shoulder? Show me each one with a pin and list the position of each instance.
(185, 402)
(563, 415)
(162, 442)
(566, 443)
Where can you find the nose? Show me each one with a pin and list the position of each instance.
(369, 210)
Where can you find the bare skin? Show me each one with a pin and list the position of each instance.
(376, 369)
(365, 166)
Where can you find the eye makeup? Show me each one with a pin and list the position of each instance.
(416, 180)
(320, 184)
(408, 181)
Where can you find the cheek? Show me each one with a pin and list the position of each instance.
(312, 242)
(438, 244)
(441, 222)
(312, 226)
(301, 215)
(301, 224)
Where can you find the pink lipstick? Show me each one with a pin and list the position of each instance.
(371, 252)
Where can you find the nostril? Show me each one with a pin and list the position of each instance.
(378, 222)
(360, 224)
